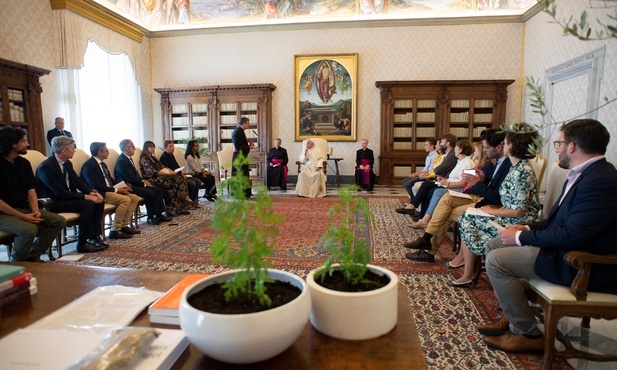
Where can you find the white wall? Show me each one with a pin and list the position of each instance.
(402, 53)
(546, 47)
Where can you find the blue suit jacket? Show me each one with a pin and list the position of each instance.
(489, 190)
(93, 176)
(51, 182)
(125, 171)
(586, 220)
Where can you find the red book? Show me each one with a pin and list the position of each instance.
(169, 303)
(17, 280)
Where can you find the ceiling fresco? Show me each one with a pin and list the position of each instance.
(159, 15)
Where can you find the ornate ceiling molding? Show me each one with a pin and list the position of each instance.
(102, 16)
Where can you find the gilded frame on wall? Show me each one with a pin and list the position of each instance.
(326, 96)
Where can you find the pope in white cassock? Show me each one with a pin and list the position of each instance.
(312, 179)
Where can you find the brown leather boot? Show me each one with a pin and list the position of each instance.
(499, 328)
(514, 343)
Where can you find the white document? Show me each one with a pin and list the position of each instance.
(71, 257)
(119, 185)
(459, 194)
(477, 212)
(179, 169)
(495, 225)
(103, 309)
(70, 346)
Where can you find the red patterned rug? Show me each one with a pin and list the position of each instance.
(445, 317)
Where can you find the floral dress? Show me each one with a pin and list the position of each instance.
(519, 191)
(175, 186)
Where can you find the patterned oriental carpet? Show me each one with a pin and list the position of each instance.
(445, 317)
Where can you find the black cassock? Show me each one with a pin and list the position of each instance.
(277, 176)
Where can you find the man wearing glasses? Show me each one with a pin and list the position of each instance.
(583, 218)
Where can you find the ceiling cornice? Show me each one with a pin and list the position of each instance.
(100, 15)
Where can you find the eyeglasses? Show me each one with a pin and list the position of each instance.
(557, 143)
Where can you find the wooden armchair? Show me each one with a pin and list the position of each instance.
(575, 301)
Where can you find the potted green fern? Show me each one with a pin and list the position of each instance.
(368, 293)
(252, 312)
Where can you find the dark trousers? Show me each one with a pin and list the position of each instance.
(193, 184)
(90, 216)
(360, 180)
(209, 182)
(424, 194)
(245, 171)
(154, 199)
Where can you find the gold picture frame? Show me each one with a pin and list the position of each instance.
(326, 96)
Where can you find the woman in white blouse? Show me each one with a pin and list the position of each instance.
(195, 168)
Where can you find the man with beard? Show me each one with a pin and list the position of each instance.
(19, 208)
(583, 219)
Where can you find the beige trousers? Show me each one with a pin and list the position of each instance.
(448, 209)
(125, 207)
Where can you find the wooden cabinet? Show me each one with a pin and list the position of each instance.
(211, 113)
(412, 111)
(20, 100)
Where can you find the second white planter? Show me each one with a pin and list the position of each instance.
(354, 316)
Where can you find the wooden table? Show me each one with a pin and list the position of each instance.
(60, 284)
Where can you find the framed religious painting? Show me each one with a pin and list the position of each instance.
(326, 96)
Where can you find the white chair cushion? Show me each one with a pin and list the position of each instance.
(555, 293)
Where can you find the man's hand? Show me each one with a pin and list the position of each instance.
(470, 179)
(124, 190)
(33, 218)
(95, 197)
(146, 183)
(508, 235)
(422, 176)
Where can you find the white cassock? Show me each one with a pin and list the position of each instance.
(311, 182)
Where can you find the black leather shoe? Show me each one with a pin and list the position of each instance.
(32, 259)
(406, 211)
(97, 241)
(469, 283)
(421, 256)
(419, 243)
(88, 248)
(119, 235)
(153, 221)
(130, 230)
(164, 218)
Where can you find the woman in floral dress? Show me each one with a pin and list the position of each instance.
(519, 197)
(152, 169)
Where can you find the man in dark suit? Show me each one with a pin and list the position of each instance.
(153, 195)
(277, 166)
(96, 174)
(242, 145)
(485, 190)
(583, 219)
(58, 131)
(365, 177)
(168, 159)
(56, 179)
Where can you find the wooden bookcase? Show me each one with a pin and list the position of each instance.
(20, 100)
(412, 111)
(213, 112)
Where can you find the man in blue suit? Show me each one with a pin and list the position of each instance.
(583, 219)
(484, 190)
(57, 180)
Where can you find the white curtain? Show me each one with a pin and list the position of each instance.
(107, 103)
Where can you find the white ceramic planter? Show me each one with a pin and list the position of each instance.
(355, 316)
(246, 338)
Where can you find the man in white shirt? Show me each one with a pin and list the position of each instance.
(312, 179)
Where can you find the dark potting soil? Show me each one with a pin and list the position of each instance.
(212, 299)
(336, 281)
